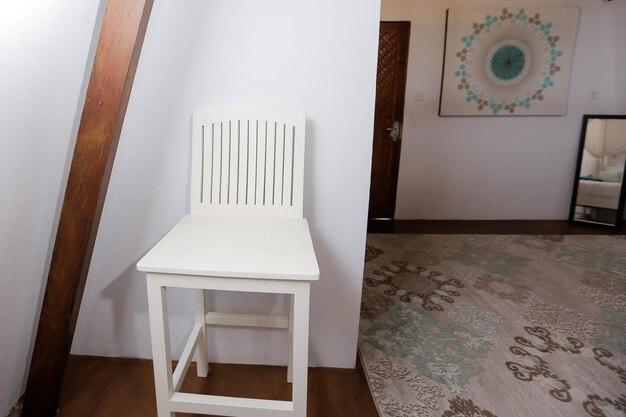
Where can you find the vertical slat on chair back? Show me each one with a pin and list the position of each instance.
(248, 161)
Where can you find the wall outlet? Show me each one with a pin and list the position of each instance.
(419, 97)
(594, 95)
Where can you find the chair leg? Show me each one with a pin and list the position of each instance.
(290, 360)
(300, 349)
(202, 363)
(161, 355)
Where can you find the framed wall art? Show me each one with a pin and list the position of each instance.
(508, 61)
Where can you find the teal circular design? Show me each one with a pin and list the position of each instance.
(508, 62)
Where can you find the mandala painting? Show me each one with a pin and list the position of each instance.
(508, 61)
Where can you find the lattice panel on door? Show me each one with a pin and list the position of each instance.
(388, 55)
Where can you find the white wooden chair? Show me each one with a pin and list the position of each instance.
(245, 233)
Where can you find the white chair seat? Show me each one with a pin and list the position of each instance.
(242, 247)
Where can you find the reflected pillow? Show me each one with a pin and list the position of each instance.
(611, 176)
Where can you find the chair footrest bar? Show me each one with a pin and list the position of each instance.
(185, 357)
(229, 406)
(248, 320)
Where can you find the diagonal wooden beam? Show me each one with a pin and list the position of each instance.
(117, 54)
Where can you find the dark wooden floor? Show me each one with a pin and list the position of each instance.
(516, 227)
(113, 387)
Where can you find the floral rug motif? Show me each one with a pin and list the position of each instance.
(495, 325)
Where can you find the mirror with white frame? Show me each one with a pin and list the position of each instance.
(598, 196)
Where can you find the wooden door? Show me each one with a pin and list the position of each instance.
(393, 52)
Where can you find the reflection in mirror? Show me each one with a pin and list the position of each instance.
(598, 196)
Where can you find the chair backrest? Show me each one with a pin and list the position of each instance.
(248, 161)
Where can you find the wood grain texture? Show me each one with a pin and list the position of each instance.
(104, 387)
(112, 75)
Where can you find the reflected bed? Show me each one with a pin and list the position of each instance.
(598, 194)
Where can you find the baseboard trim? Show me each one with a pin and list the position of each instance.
(489, 227)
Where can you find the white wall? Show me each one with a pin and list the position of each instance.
(44, 49)
(496, 168)
(202, 53)
(618, 17)
(618, 22)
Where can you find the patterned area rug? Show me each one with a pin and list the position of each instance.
(495, 325)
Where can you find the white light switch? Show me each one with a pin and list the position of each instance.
(418, 97)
